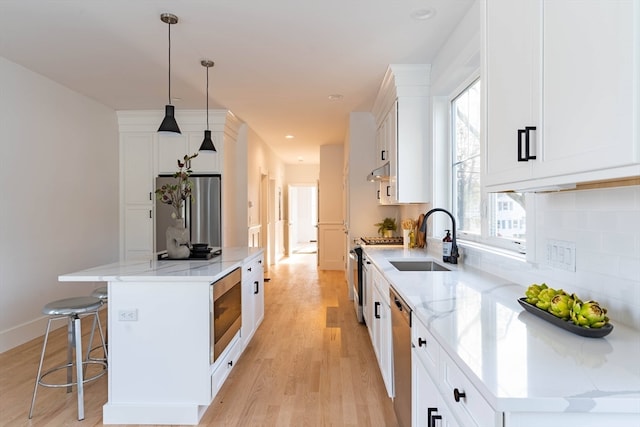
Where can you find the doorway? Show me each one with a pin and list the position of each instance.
(303, 219)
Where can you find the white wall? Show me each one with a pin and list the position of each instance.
(59, 169)
(262, 160)
(302, 174)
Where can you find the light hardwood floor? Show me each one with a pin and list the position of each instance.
(309, 364)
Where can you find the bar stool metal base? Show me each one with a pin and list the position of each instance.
(71, 309)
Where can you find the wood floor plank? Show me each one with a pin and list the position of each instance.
(309, 364)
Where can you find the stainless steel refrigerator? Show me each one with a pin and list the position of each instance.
(202, 214)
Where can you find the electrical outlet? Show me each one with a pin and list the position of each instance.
(561, 254)
(130, 315)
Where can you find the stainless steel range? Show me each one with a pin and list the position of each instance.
(356, 255)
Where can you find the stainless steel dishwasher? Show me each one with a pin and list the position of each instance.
(401, 327)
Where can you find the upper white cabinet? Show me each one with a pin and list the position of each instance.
(145, 154)
(402, 116)
(174, 147)
(561, 102)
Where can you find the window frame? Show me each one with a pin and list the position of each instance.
(514, 245)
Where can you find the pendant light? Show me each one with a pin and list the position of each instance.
(169, 123)
(207, 143)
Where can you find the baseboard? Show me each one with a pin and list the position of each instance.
(13, 337)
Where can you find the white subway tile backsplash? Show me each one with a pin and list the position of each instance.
(605, 226)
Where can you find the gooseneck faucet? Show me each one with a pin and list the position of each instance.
(453, 257)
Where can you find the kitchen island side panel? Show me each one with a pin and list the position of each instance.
(159, 343)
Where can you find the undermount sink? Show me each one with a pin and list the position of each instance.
(418, 266)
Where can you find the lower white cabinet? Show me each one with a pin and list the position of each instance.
(381, 329)
(226, 364)
(252, 297)
(442, 394)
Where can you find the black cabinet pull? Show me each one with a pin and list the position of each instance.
(382, 155)
(388, 188)
(256, 288)
(527, 130)
(433, 420)
(150, 196)
(457, 394)
(150, 214)
(526, 156)
(376, 313)
(422, 342)
(378, 194)
(249, 269)
(230, 363)
(521, 157)
(430, 412)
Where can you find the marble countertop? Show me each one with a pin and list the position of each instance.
(518, 361)
(166, 270)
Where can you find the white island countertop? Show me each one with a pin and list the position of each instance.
(519, 362)
(163, 367)
(166, 270)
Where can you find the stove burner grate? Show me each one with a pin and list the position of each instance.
(381, 240)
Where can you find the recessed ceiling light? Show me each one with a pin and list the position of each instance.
(335, 97)
(289, 136)
(423, 14)
(300, 159)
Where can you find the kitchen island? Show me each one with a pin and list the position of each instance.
(160, 332)
(480, 359)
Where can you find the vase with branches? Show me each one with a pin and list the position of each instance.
(176, 194)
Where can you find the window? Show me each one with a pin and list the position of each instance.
(466, 159)
(505, 222)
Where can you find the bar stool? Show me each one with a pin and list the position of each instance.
(71, 309)
(103, 294)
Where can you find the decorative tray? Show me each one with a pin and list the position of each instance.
(566, 324)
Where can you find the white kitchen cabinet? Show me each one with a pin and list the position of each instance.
(578, 88)
(429, 409)
(385, 137)
(174, 147)
(367, 294)
(137, 194)
(402, 114)
(381, 337)
(387, 192)
(252, 297)
(441, 390)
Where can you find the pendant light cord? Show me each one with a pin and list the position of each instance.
(207, 98)
(169, 63)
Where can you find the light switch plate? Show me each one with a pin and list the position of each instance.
(561, 254)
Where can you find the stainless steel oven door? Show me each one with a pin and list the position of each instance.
(226, 312)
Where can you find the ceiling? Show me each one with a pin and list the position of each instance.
(276, 62)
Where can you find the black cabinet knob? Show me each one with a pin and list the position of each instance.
(457, 394)
(422, 342)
